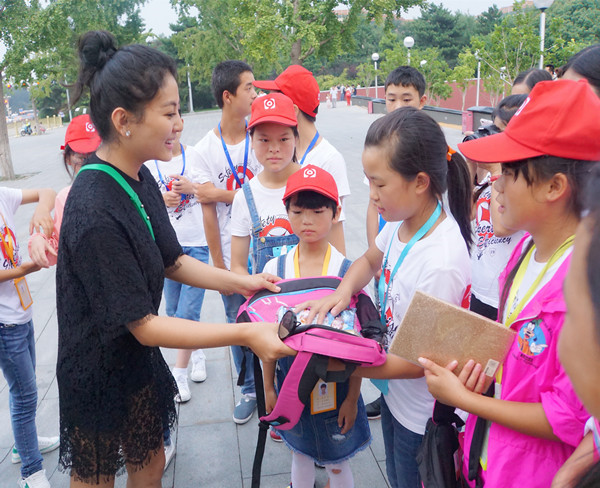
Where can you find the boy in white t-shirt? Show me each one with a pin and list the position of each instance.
(175, 179)
(17, 336)
(226, 160)
(300, 85)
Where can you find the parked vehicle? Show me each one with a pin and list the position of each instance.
(26, 129)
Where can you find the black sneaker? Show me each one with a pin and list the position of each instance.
(374, 409)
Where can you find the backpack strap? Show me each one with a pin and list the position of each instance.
(263, 427)
(346, 263)
(477, 444)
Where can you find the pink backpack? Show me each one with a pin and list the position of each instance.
(315, 345)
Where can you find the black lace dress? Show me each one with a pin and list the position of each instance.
(116, 395)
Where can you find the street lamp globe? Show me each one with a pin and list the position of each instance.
(542, 4)
(375, 57)
(409, 42)
(423, 62)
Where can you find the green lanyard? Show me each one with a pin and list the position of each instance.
(127, 187)
(521, 274)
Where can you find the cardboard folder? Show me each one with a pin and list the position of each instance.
(443, 332)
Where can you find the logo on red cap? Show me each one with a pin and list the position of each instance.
(89, 127)
(310, 173)
(269, 104)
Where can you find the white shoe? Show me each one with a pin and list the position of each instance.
(169, 453)
(45, 444)
(36, 480)
(184, 394)
(198, 374)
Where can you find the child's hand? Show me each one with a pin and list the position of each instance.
(448, 388)
(270, 400)
(205, 192)
(172, 198)
(181, 185)
(337, 302)
(39, 249)
(347, 415)
(41, 221)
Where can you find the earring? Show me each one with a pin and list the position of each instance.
(127, 133)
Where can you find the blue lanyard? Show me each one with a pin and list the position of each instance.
(382, 288)
(240, 182)
(160, 176)
(309, 148)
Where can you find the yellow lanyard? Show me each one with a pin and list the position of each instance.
(325, 262)
(564, 247)
(521, 274)
(9, 247)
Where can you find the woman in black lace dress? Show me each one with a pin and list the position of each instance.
(116, 391)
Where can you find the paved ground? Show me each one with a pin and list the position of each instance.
(212, 451)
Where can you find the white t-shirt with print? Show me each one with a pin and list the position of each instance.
(214, 168)
(11, 311)
(490, 253)
(186, 218)
(270, 208)
(325, 156)
(438, 265)
(335, 262)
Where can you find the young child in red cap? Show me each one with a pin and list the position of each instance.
(81, 140)
(258, 211)
(332, 435)
(300, 85)
(534, 421)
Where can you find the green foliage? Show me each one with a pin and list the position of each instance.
(463, 73)
(271, 35)
(428, 61)
(571, 26)
(512, 47)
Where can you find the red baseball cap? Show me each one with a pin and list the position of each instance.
(274, 107)
(81, 135)
(297, 83)
(559, 118)
(312, 178)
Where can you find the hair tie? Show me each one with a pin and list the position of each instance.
(450, 153)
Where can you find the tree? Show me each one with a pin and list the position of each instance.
(438, 27)
(14, 17)
(41, 39)
(512, 47)
(270, 35)
(463, 72)
(365, 74)
(487, 21)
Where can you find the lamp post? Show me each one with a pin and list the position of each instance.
(408, 43)
(191, 104)
(375, 58)
(478, 77)
(542, 5)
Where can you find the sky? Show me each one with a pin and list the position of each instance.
(158, 14)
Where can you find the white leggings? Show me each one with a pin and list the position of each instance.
(303, 473)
